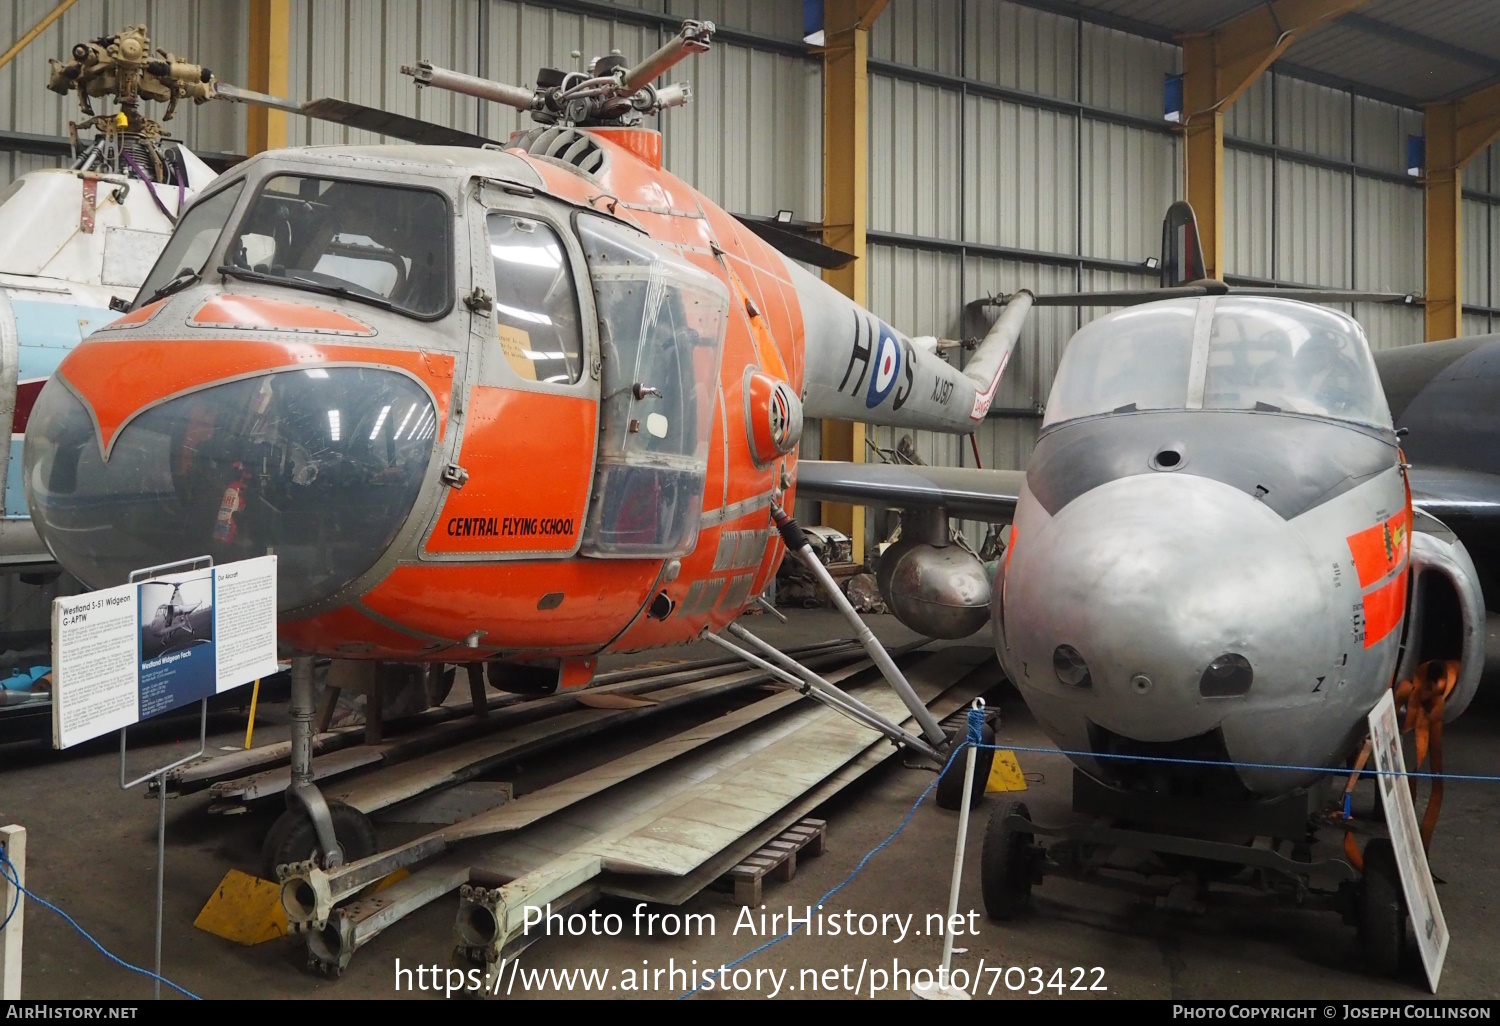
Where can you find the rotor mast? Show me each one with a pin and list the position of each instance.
(123, 67)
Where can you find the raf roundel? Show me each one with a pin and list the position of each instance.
(887, 367)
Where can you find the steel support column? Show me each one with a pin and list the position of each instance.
(270, 46)
(1217, 67)
(846, 116)
(1457, 132)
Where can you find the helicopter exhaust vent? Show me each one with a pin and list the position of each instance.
(567, 146)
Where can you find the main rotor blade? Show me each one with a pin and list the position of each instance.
(796, 244)
(1210, 287)
(356, 115)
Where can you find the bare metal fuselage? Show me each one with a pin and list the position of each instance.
(1152, 574)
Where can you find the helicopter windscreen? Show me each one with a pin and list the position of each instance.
(1260, 355)
(376, 243)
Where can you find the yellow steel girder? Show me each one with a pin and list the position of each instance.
(270, 44)
(1217, 67)
(1457, 132)
(846, 120)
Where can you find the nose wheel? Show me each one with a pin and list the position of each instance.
(1380, 907)
(1008, 862)
(294, 838)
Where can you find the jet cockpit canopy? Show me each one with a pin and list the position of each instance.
(1220, 353)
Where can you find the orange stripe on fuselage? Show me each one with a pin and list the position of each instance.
(1383, 609)
(230, 311)
(1380, 549)
(119, 378)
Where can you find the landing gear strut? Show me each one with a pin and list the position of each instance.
(311, 827)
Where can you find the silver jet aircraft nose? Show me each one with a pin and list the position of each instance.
(1155, 606)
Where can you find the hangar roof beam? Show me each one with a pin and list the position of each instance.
(1218, 66)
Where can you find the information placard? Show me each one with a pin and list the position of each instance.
(1406, 838)
(126, 654)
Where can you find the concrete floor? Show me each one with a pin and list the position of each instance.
(92, 851)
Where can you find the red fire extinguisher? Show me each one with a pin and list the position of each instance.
(232, 502)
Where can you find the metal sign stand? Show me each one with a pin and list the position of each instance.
(160, 774)
(12, 911)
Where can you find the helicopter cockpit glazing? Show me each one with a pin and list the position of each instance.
(1257, 355)
(387, 245)
(661, 325)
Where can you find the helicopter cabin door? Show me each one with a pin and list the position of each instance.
(530, 422)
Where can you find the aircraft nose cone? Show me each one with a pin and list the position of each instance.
(320, 467)
(1149, 581)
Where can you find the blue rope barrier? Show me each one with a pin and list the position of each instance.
(8, 870)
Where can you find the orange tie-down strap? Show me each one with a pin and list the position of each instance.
(1419, 705)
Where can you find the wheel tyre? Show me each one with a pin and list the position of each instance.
(1005, 870)
(1381, 909)
(293, 839)
(950, 789)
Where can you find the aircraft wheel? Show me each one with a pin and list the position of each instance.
(950, 789)
(293, 839)
(1005, 864)
(1381, 909)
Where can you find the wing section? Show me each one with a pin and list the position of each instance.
(988, 495)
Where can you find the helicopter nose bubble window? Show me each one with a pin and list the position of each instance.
(661, 332)
(386, 245)
(536, 309)
(1262, 356)
(319, 466)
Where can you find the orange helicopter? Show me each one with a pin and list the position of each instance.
(516, 405)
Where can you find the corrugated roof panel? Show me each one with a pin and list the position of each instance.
(1472, 25)
(1175, 15)
(1382, 63)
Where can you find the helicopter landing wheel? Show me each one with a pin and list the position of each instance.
(292, 837)
(950, 788)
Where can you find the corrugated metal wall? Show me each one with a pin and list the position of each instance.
(1481, 243)
(1316, 194)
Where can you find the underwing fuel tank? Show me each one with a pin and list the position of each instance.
(931, 585)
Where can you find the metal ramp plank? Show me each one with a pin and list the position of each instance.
(675, 890)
